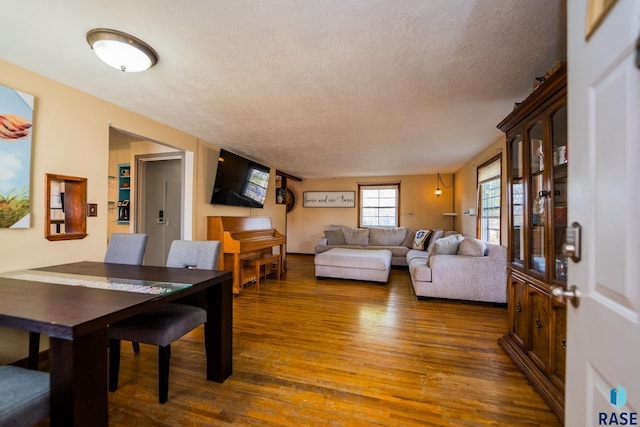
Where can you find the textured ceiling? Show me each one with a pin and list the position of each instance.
(326, 88)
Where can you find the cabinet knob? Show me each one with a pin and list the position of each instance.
(518, 308)
(564, 343)
(538, 324)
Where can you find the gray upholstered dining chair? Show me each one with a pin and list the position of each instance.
(24, 396)
(123, 248)
(126, 248)
(164, 325)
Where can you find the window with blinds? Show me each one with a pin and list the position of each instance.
(489, 200)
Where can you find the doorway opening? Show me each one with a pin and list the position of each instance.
(160, 202)
(149, 156)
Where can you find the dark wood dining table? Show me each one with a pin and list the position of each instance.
(76, 318)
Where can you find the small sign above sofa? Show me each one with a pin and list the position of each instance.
(329, 199)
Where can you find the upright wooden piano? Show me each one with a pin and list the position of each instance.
(243, 237)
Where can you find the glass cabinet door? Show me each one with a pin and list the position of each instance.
(559, 196)
(537, 194)
(517, 201)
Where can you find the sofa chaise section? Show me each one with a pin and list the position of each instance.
(461, 277)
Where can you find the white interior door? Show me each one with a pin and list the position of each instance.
(603, 337)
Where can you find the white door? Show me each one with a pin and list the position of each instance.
(603, 336)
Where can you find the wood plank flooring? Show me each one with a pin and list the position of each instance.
(331, 352)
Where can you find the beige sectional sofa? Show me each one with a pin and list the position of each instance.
(451, 266)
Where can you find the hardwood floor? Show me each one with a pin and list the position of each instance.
(330, 352)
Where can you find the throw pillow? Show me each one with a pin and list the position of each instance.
(472, 247)
(437, 234)
(356, 236)
(387, 236)
(421, 240)
(335, 237)
(408, 238)
(445, 246)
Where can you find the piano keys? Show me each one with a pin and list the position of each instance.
(243, 237)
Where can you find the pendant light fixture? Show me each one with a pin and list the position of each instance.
(121, 51)
(438, 191)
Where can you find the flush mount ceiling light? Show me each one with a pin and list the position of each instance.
(121, 51)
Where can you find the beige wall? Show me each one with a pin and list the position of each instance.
(466, 184)
(71, 137)
(419, 207)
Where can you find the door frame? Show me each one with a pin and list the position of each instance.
(186, 209)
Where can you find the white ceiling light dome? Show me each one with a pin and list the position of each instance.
(121, 51)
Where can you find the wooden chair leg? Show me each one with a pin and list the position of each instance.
(34, 350)
(258, 271)
(114, 364)
(164, 354)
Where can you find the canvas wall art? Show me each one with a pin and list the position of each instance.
(16, 121)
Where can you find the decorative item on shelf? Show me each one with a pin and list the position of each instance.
(539, 81)
(123, 210)
(560, 215)
(438, 191)
(560, 155)
(561, 268)
(538, 159)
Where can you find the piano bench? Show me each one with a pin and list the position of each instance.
(259, 261)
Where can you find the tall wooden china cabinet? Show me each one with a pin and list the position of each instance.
(536, 132)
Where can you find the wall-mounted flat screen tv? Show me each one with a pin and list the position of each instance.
(239, 182)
